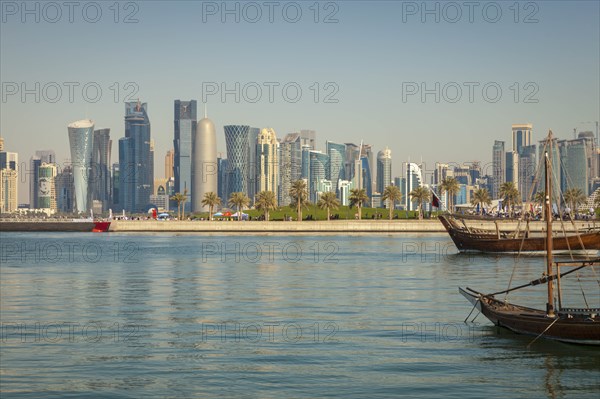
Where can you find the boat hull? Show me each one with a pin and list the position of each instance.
(45, 226)
(489, 242)
(573, 328)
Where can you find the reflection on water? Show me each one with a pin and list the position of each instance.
(190, 315)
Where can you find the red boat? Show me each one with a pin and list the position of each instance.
(101, 227)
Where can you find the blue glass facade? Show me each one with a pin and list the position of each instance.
(237, 142)
(319, 167)
(135, 159)
(366, 176)
(185, 129)
(337, 157)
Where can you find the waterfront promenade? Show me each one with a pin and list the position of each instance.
(334, 226)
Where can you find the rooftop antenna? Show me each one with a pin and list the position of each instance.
(205, 111)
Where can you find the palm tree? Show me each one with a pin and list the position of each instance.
(450, 185)
(420, 195)
(299, 193)
(510, 195)
(265, 201)
(358, 196)
(391, 194)
(239, 200)
(180, 199)
(574, 197)
(328, 201)
(481, 196)
(539, 198)
(211, 200)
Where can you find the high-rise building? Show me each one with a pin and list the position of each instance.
(384, 169)
(367, 152)
(100, 172)
(319, 166)
(185, 131)
(34, 165)
(267, 162)
(305, 170)
(204, 163)
(65, 189)
(337, 161)
(237, 142)
(512, 168)
(222, 169)
(309, 137)
(352, 154)
(551, 146)
(367, 181)
(527, 172)
(81, 141)
(169, 163)
(521, 136)
(578, 163)
(413, 181)
(290, 165)
(344, 188)
(9, 175)
(253, 163)
(115, 187)
(135, 160)
(498, 168)
(47, 186)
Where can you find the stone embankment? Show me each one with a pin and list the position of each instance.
(336, 226)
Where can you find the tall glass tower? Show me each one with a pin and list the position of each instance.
(384, 169)
(337, 157)
(135, 160)
(204, 162)
(290, 165)
(413, 180)
(267, 162)
(319, 167)
(81, 141)
(237, 142)
(498, 167)
(185, 130)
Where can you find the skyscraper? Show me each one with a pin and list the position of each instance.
(337, 158)
(309, 137)
(65, 189)
(384, 169)
(578, 162)
(81, 141)
(267, 161)
(237, 142)
(47, 186)
(222, 169)
(352, 154)
(169, 162)
(527, 172)
(185, 131)
(319, 166)
(9, 175)
(498, 167)
(101, 180)
(135, 161)
(34, 165)
(413, 181)
(204, 163)
(290, 165)
(253, 163)
(521, 136)
(512, 168)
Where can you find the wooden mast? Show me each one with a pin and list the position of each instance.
(550, 303)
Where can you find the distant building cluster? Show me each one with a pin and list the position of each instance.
(258, 160)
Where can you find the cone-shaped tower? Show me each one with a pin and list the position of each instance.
(204, 162)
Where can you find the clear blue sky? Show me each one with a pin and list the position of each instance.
(369, 54)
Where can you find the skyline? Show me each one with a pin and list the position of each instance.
(370, 71)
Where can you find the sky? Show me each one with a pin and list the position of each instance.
(433, 81)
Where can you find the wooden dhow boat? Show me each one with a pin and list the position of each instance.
(469, 239)
(573, 325)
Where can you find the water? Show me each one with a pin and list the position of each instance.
(160, 315)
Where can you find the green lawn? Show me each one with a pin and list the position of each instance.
(312, 211)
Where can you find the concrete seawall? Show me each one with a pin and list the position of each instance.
(336, 226)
